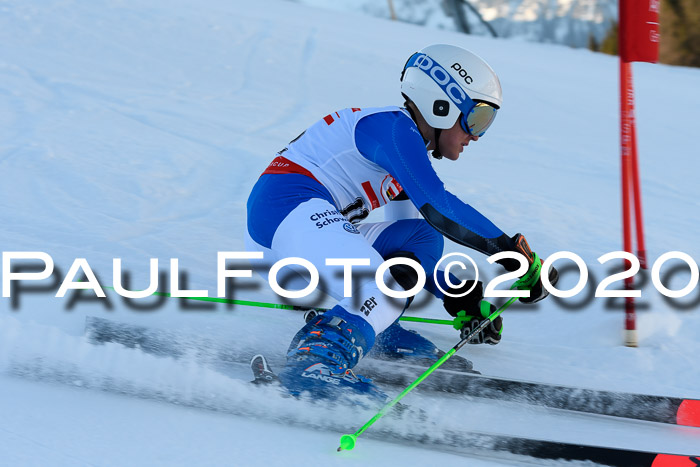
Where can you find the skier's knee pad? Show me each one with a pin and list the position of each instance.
(404, 275)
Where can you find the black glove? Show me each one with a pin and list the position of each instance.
(531, 279)
(470, 310)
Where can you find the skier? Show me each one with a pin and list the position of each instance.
(310, 202)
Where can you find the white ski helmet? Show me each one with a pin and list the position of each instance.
(445, 81)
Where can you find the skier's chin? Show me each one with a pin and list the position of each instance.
(453, 156)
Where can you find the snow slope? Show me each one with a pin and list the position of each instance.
(135, 131)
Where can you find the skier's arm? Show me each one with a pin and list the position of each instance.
(391, 140)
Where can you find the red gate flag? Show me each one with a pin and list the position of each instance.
(639, 30)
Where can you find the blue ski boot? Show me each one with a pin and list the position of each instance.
(402, 345)
(323, 353)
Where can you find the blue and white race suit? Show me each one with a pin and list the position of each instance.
(311, 200)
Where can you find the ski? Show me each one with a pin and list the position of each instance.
(654, 408)
(568, 452)
(539, 449)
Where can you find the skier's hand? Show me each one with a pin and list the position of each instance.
(469, 322)
(470, 310)
(531, 280)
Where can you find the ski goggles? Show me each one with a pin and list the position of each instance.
(477, 120)
(476, 117)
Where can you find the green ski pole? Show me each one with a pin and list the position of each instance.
(280, 306)
(239, 302)
(347, 442)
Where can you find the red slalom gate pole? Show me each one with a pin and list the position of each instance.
(638, 41)
(626, 143)
(637, 196)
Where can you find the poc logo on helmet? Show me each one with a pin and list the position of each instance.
(463, 73)
(442, 78)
